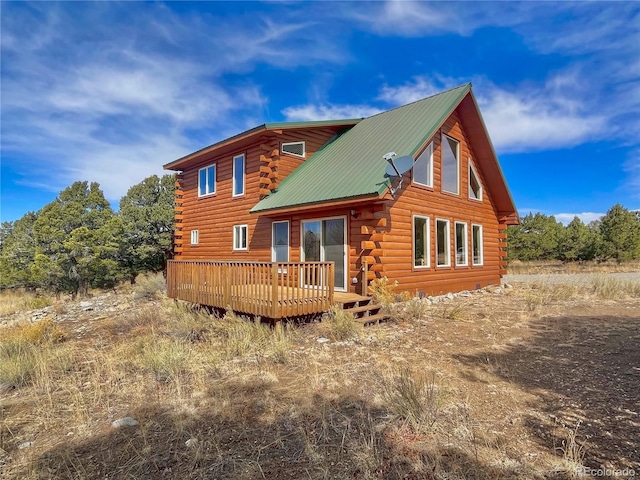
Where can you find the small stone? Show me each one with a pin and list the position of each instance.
(124, 422)
(25, 445)
(192, 442)
(322, 340)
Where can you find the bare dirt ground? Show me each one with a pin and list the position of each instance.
(533, 381)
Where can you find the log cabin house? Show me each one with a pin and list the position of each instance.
(285, 219)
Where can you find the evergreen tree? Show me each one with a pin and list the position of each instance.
(17, 252)
(76, 238)
(620, 231)
(147, 213)
(536, 238)
(577, 242)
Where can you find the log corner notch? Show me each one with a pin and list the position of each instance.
(178, 231)
(502, 248)
(372, 246)
(269, 156)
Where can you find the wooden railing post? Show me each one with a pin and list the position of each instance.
(274, 290)
(226, 294)
(331, 282)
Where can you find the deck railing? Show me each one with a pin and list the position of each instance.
(269, 289)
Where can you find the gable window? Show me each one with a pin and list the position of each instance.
(442, 243)
(421, 252)
(461, 244)
(475, 188)
(207, 180)
(423, 167)
(280, 242)
(476, 244)
(450, 165)
(195, 237)
(297, 149)
(238, 175)
(240, 237)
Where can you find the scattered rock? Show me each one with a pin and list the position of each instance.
(124, 422)
(192, 442)
(25, 445)
(322, 340)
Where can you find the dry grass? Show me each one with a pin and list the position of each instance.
(613, 289)
(517, 267)
(12, 301)
(150, 285)
(231, 398)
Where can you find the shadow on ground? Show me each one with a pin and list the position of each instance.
(327, 439)
(585, 371)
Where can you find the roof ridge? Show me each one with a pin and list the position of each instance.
(467, 84)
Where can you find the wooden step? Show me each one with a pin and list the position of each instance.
(372, 318)
(363, 308)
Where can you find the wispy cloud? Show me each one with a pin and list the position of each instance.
(109, 93)
(328, 112)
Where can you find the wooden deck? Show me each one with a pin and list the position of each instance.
(269, 289)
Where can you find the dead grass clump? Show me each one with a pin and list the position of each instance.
(24, 351)
(165, 358)
(12, 301)
(609, 288)
(416, 308)
(340, 325)
(383, 290)
(238, 337)
(150, 286)
(413, 396)
(541, 294)
(456, 313)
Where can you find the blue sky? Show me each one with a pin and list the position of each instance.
(111, 91)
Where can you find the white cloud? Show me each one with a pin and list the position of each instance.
(586, 217)
(328, 112)
(416, 89)
(93, 93)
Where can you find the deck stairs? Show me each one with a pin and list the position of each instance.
(365, 310)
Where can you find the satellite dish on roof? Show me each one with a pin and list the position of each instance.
(398, 166)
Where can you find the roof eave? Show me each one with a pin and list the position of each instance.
(273, 126)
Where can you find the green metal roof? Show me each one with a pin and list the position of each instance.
(177, 164)
(352, 165)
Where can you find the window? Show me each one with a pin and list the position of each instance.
(240, 237)
(421, 242)
(476, 244)
(423, 167)
(475, 188)
(207, 180)
(450, 165)
(280, 242)
(297, 149)
(442, 243)
(195, 237)
(238, 175)
(461, 244)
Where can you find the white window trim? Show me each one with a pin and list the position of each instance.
(475, 173)
(481, 263)
(304, 149)
(235, 237)
(195, 237)
(429, 170)
(427, 245)
(244, 166)
(273, 248)
(447, 244)
(457, 192)
(215, 175)
(465, 242)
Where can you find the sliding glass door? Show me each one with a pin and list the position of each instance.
(325, 241)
